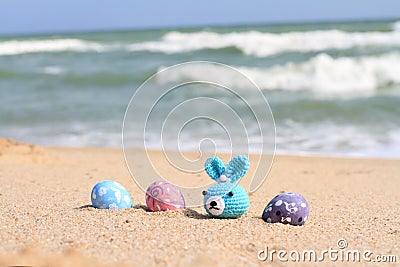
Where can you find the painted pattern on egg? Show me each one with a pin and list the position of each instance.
(287, 208)
(164, 196)
(110, 195)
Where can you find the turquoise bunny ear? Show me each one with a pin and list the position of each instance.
(237, 168)
(214, 167)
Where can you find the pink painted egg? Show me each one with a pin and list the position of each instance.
(163, 196)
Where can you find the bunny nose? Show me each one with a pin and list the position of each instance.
(224, 179)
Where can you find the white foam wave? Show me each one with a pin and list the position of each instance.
(261, 44)
(396, 26)
(52, 70)
(322, 74)
(57, 45)
(320, 139)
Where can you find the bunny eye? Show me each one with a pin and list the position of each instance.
(230, 194)
(204, 193)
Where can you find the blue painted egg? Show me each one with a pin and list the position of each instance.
(110, 195)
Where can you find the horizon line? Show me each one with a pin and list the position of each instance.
(180, 27)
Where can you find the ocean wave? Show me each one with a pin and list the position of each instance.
(322, 74)
(353, 140)
(396, 26)
(52, 70)
(253, 43)
(50, 45)
(262, 44)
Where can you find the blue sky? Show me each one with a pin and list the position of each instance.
(32, 16)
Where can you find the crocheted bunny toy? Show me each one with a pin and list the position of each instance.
(226, 199)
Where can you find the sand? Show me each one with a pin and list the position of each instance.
(46, 218)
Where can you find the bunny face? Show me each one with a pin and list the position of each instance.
(226, 199)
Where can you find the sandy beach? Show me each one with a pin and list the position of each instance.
(299, 102)
(47, 219)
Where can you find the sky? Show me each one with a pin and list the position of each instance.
(47, 16)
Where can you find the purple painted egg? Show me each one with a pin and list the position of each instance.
(287, 208)
(163, 196)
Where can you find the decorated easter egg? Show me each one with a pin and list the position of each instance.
(287, 208)
(163, 196)
(110, 195)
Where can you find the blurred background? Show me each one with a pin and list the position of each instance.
(330, 70)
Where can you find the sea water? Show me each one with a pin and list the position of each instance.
(333, 88)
